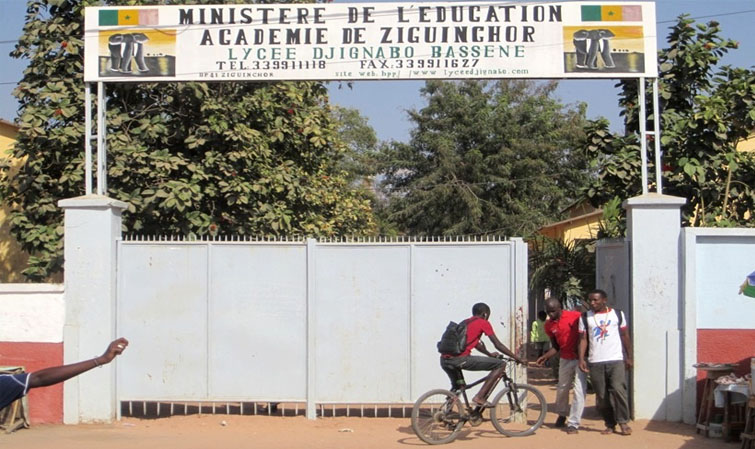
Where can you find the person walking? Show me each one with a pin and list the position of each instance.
(563, 330)
(538, 337)
(605, 332)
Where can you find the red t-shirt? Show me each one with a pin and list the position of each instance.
(476, 326)
(566, 332)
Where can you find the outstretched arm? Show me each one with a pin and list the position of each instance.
(501, 347)
(481, 347)
(57, 374)
(551, 352)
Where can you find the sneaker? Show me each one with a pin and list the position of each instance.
(560, 422)
(571, 430)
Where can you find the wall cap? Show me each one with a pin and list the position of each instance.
(654, 200)
(719, 232)
(30, 288)
(92, 202)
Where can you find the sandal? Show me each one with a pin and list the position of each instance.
(607, 431)
(571, 430)
(625, 429)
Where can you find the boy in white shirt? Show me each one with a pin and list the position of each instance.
(606, 333)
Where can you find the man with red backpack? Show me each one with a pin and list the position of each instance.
(476, 326)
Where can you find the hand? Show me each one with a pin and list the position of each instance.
(114, 349)
(629, 363)
(540, 360)
(520, 361)
(583, 366)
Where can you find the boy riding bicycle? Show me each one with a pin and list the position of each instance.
(477, 325)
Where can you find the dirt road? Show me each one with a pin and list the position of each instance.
(232, 431)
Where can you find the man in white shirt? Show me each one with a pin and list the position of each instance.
(604, 330)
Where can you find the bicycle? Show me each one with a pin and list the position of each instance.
(439, 415)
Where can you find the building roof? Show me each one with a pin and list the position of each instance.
(587, 216)
(7, 123)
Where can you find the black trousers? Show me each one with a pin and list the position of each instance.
(610, 385)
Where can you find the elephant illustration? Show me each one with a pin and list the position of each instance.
(599, 44)
(580, 45)
(127, 47)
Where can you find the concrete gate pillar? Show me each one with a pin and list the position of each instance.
(654, 235)
(92, 228)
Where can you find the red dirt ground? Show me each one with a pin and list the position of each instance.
(233, 431)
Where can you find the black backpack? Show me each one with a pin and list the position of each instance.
(454, 338)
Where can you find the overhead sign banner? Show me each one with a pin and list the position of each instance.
(363, 41)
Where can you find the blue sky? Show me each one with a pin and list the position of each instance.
(385, 103)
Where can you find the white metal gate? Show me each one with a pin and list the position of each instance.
(304, 322)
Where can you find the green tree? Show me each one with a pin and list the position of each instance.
(485, 158)
(361, 162)
(706, 112)
(567, 269)
(189, 158)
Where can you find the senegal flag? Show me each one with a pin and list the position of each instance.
(611, 13)
(121, 17)
(748, 287)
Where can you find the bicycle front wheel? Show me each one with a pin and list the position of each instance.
(437, 417)
(518, 411)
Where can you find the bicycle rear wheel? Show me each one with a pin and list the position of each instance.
(520, 411)
(437, 417)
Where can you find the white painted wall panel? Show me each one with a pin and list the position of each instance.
(362, 323)
(723, 263)
(258, 322)
(448, 281)
(32, 313)
(612, 273)
(162, 310)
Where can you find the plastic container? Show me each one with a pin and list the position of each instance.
(715, 430)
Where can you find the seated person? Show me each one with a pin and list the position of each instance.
(477, 325)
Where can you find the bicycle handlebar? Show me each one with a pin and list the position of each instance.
(509, 359)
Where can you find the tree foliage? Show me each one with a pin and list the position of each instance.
(362, 163)
(567, 269)
(706, 112)
(485, 158)
(359, 161)
(188, 158)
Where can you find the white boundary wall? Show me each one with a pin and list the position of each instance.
(32, 313)
(309, 321)
(716, 262)
(678, 281)
(342, 322)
